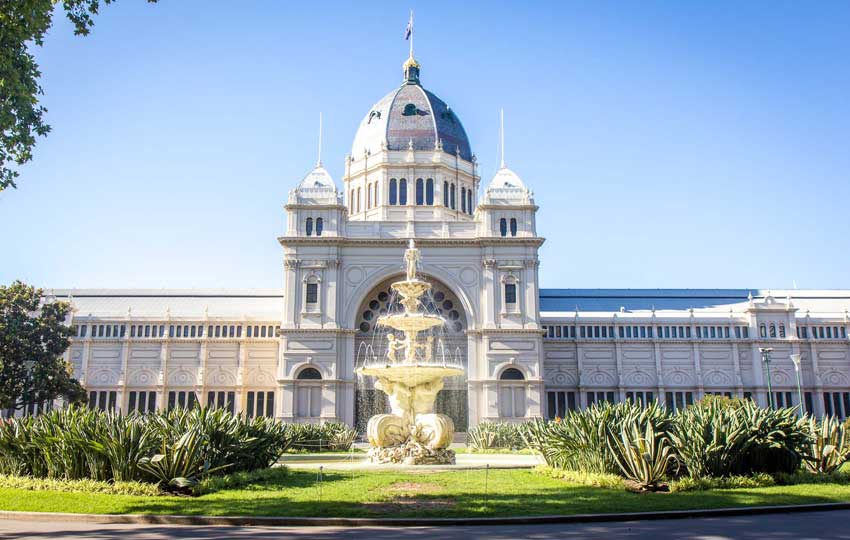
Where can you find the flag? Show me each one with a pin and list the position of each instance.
(409, 29)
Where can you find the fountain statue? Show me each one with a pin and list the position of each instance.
(412, 433)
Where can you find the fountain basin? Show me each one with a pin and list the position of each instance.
(411, 322)
(411, 375)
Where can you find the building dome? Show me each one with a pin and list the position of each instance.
(318, 178)
(411, 116)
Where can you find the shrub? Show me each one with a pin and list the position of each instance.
(176, 448)
(611, 481)
(715, 438)
(333, 436)
(829, 445)
(690, 483)
(494, 435)
(79, 486)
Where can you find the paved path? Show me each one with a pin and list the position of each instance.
(804, 526)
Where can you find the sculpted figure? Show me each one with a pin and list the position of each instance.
(393, 346)
(411, 257)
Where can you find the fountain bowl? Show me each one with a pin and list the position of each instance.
(411, 374)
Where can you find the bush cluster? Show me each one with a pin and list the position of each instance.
(174, 449)
(712, 439)
(332, 436)
(495, 435)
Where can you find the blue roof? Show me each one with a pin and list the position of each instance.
(640, 299)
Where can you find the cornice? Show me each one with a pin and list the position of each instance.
(534, 241)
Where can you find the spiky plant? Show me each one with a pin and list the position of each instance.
(641, 447)
(829, 445)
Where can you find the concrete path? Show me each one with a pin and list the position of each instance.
(803, 526)
(359, 461)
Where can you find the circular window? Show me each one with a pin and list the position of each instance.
(368, 315)
(383, 312)
(382, 296)
(457, 326)
(453, 315)
(364, 327)
(374, 304)
(448, 304)
(439, 296)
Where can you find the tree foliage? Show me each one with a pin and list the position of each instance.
(24, 23)
(33, 337)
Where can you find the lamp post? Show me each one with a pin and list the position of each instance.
(796, 358)
(765, 357)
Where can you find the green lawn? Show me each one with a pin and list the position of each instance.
(397, 494)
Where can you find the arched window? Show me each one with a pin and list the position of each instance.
(309, 226)
(453, 196)
(512, 374)
(319, 226)
(351, 206)
(782, 331)
(308, 393)
(762, 330)
(446, 194)
(368, 196)
(375, 194)
(512, 395)
(513, 226)
(393, 191)
(463, 199)
(420, 192)
(469, 201)
(503, 227)
(429, 192)
(772, 330)
(359, 198)
(402, 192)
(312, 374)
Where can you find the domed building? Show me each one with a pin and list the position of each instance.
(528, 352)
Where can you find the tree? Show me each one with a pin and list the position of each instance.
(23, 23)
(33, 337)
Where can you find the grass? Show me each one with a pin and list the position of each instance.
(428, 494)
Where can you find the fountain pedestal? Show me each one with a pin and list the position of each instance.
(413, 433)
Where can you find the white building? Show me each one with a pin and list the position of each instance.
(529, 352)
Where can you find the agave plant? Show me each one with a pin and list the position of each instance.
(181, 463)
(829, 445)
(641, 448)
(711, 439)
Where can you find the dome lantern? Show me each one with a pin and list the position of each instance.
(411, 70)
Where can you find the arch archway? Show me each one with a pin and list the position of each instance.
(450, 345)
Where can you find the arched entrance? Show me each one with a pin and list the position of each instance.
(453, 398)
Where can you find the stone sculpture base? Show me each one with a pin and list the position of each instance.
(411, 453)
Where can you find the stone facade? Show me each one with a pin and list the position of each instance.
(291, 353)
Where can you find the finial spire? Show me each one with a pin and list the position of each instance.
(502, 138)
(319, 159)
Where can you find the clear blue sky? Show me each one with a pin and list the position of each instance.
(669, 144)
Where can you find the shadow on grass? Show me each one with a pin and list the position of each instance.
(379, 502)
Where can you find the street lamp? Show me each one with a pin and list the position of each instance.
(796, 358)
(765, 357)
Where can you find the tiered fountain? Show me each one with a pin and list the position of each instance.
(413, 433)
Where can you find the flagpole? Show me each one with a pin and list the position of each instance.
(411, 33)
(319, 161)
(502, 137)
